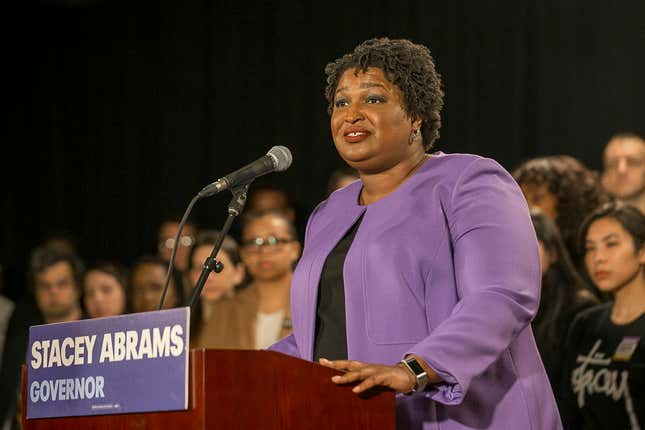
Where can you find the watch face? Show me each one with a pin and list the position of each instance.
(415, 366)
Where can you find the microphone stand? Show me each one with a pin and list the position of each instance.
(211, 264)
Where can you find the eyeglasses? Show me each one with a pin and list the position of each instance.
(270, 243)
(186, 241)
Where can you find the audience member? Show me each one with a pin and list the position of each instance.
(6, 308)
(564, 189)
(147, 282)
(218, 285)
(61, 240)
(166, 241)
(564, 294)
(271, 198)
(340, 178)
(105, 287)
(259, 314)
(624, 169)
(54, 280)
(604, 377)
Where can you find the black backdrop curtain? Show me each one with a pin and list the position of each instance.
(116, 112)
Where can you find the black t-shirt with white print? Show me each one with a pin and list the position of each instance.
(603, 383)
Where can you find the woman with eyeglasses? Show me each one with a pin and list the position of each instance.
(258, 315)
(604, 379)
(166, 241)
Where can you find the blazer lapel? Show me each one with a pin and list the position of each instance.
(324, 240)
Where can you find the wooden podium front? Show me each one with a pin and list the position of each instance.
(232, 389)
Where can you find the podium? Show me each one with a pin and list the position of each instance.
(235, 389)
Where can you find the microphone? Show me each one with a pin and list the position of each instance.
(277, 159)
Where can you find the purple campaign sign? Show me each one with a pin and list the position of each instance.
(130, 363)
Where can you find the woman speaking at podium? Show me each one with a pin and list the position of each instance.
(423, 276)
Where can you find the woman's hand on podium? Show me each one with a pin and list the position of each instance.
(369, 376)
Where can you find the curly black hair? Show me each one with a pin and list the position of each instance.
(576, 189)
(407, 65)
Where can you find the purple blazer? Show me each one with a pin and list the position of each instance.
(445, 267)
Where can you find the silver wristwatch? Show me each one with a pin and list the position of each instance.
(413, 365)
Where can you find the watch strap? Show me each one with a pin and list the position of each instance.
(414, 367)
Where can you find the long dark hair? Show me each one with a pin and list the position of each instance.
(561, 284)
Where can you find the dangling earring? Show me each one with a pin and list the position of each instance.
(414, 135)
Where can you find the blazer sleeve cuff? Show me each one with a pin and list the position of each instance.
(447, 394)
(449, 391)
